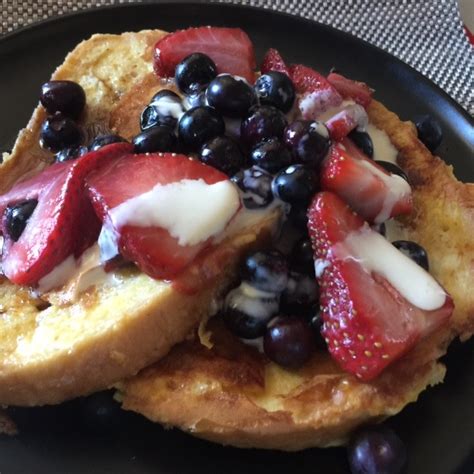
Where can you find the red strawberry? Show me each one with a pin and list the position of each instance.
(230, 48)
(152, 248)
(358, 91)
(63, 222)
(274, 62)
(370, 190)
(349, 118)
(368, 323)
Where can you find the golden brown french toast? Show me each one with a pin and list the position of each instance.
(234, 395)
(51, 351)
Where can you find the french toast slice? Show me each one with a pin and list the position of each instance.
(51, 350)
(234, 395)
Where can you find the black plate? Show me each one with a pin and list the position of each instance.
(438, 430)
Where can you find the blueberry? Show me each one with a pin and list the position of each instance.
(429, 131)
(198, 125)
(224, 154)
(195, 100)
(294, 131)
(58, 132)
(262, 123)
(376, 450)
(16, 217)
(298, 216)
(275, 88)
(266, 271)
(70, 153)
(316, 323)
(380, 228)
(100, 412)
(103, 140)
(288, 341)
(247, 311)
(194, 73)
(66, 97)
(300, 295)
(296, 184)
(166, 108)
(392, 168)
(155, 139)
(302, 258)
(231, 96)
(271, 155)
(414, 251)
(363, 141)
(256, 185)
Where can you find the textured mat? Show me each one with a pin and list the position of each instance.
(427, 34)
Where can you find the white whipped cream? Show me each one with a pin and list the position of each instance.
(383, 147)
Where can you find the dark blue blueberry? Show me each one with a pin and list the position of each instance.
(261, 124)
(231, 96)
(16, 217)
(70, 153)
(288, 341)
(376, 450)
(166, 108)
(271, 155)
(266, 271)
(256, 185)
(298, 216)
(416, 252)
(275, 88)
(429, 131)
(300, 295)
(302, 258)
(198, 125)
(392, 168)
(224, 154)
(363, 141)
(59, 131)
(195, 100)
(103, 140)
(66, 97)
(194, 73)
(156, 139)
(316, 323)
(294, 131)
(296, 184)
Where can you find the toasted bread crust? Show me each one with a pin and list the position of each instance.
(117, 327)
(233, 395)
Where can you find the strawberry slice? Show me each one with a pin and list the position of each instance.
(114, 188)
(63, 222)
(376, 303)
(317, 95)
(349, 89)
(367, 187)
(343, 122)
(273, 61)
(230, 48)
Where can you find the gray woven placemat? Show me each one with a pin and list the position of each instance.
(427, 34)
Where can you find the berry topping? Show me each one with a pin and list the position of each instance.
(166, 108)
(229, 48)
(17, 216)
(262, 123)
(363, 141)
(300, 295)
(231, 96)
(271, 155)
(72, 153)
(316, 323)
(256, 185)
(414, 251)
(194, 73)
(160, 210)
(357, 91)
(198, 125)
(295, 184)
(195, 100)
(103, 140)
(288, 341)
(224, 154)
(63, 222)
(160, 138)
(392, 168)
(274, 62)
(371, 191)
(275, 88)
(302, 256)
(376, 303)
(376, 450)
(66, 97)
(429, 132)
(58, 132)
(351, 117)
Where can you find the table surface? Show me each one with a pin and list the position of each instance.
(427, 34)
